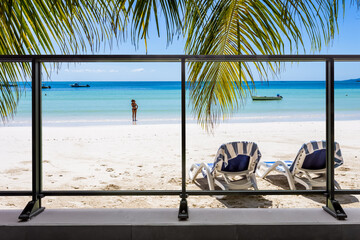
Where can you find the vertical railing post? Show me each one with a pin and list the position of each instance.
(183, 209)
(333, 207)
(33, 208)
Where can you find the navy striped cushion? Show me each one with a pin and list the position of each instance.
(237, 164)
(316, 160)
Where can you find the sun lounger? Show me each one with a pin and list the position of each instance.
(308, 168)
(233, 168)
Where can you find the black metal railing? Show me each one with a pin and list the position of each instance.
(34, 207)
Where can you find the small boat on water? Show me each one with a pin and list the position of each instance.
(8, 84)
(78, 85)
(265, 98)
(45, 87)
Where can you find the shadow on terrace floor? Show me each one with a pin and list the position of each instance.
(260, 202)
(237, 201)
(281, 182)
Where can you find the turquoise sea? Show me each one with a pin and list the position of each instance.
(107, 103)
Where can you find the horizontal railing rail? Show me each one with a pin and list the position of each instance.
(173, 192)
(34, 207)
(179, 58)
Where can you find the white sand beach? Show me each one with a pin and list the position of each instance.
(147, 157)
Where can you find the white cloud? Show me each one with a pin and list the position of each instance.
(95, 70)
(138, 70)
(86, 70)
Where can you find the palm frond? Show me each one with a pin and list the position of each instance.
(242, 27)
(71, 27)
(50, 27)
(142, 12)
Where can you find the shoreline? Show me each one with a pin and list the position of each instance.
(127, 157)
(94, 122)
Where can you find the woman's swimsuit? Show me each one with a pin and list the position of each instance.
(134, 106)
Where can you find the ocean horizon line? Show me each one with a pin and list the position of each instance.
(134, 81)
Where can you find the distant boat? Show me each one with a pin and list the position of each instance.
(45, 87)
(357, 80)
(78, 85)
(265, 98)
(8, 84)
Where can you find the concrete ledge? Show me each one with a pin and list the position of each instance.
(163, 224)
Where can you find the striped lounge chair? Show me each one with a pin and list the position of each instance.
(308, 168)
(233, 168)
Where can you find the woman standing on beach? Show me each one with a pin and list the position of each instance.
(134, 107)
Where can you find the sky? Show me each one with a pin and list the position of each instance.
(346, 41)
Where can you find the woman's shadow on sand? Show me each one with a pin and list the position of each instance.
(232, 201)
(281, 182)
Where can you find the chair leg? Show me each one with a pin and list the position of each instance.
(253, 181)
(210, 182)
(337, 185)
(307, 186)
(220, 185)
(290, 180)
(209, 176)
(267, 171)
(287, 173)
(194, 171)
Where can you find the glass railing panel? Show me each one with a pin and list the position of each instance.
(347, 129)
(89, 139)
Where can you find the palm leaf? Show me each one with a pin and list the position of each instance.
(49, 27)
(244, 27)
(142, 12)
(70, 27)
